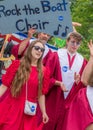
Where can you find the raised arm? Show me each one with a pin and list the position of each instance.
(23, 44)
(75, 24)
(89, 66)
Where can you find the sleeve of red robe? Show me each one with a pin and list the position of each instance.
(52, 62)
(15, 50)
(79, 115)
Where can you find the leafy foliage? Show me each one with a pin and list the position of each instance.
(82, 12)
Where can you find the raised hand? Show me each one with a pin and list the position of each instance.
(45, 118)
(63, 88)
(31, 31)
(76, 24)
(77, 78)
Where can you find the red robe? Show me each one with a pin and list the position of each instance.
(80, 114)
(68, 68)
(75, 88)
(15, 48)
(12, 109)
(54, 98)
(73, 92)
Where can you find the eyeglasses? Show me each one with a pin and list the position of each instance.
(73, 43)
(37, 48)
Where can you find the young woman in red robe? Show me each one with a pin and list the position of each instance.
(28, 73)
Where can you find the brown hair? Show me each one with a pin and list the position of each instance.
(24, 70)
(75, 35)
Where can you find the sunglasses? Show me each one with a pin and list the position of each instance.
(73, 43)
(37, 48)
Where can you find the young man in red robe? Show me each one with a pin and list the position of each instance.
(72, 65)
(80, 116)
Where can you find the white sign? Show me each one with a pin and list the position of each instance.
(49, 16)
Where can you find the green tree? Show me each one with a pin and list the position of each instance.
(82, 11)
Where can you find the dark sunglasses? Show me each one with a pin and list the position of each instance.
(37, 48)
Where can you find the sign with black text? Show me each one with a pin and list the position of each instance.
(49, 16)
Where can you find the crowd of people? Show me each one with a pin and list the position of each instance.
(56, 82)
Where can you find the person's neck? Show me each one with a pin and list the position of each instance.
(34, 63)
(71, 53)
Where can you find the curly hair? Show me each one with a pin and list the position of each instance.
(24, 71)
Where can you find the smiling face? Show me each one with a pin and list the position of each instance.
(43, 36)
(37, 50)
(73, 45)
(73, 42)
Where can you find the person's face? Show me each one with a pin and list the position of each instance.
(73, 45)
(43, 36)
(37, 50)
